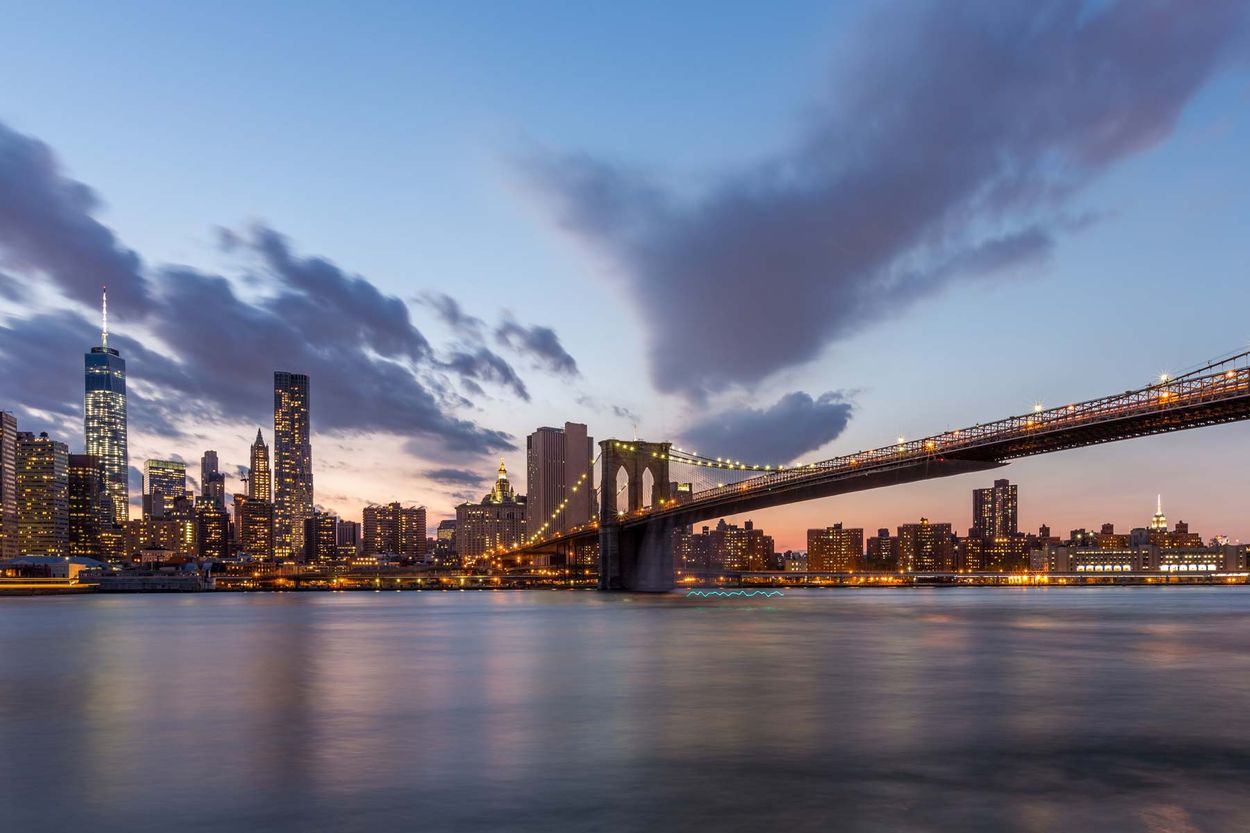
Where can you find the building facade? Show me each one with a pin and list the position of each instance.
(8, 486)
(212, 481)
(995, 510)
(292, 458)
(164, 481)
(496, 523)
(321, 538)
(925, 547)
(42, 495)
(89, 507)
(835, 549)
(260, 478)
(557, 460)
(393, 528)
(255, 521)
(104, 419)
(212, 530)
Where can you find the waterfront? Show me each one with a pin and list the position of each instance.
(943, 709)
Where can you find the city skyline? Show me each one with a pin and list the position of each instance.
(433, 355)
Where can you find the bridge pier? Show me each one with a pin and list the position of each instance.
(636, 560)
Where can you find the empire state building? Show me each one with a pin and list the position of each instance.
(104, 418)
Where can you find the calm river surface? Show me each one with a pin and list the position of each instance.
(897, 710)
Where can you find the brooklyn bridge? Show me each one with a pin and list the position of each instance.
(646, 490)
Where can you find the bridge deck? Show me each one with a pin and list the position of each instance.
(1194, 400)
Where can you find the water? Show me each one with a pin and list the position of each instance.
(899, 710)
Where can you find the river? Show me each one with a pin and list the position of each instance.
(941, 709)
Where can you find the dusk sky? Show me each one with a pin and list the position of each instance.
(774, 232)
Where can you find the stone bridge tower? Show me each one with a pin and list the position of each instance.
(634, 556)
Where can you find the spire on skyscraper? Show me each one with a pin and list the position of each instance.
(104, 317)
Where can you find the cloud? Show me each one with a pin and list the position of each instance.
(194, 345)
(450, 312)
(795, 425)
(539, 343)
(365, 374)
(455, 477)
(482, 363)
(47, 227)
(953, 142)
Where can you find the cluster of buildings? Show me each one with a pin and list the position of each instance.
(76, 507)
(57, 505)
(994, 544)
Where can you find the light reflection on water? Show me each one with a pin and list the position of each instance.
(1033, 709)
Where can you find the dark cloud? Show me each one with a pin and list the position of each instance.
(538, 343)
(344, 309)
(455, 477)
(450, 312)
(952, 143)
(196, 348)
(482, 363)
(364, 376)
(47, 227)
(795, 425)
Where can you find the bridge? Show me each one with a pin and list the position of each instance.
(644, 496)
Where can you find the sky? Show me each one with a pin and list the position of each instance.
(771, 232)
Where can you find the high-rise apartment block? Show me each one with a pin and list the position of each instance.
(994, 510)
(42, 495)
(89, 508)
(396, 529)
(926, 547)
(835, 549)
(8, 486)
(292, 457)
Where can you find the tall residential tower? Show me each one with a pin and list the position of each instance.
(292, 463)
(104, 418)
(8, 486)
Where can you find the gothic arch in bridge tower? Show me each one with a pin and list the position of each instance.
(621, 490)
(648, 488)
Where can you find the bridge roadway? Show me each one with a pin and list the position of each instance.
(1215, 394)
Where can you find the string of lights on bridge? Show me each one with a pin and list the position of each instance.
(1165, 389)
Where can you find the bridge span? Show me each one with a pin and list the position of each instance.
(634, 529)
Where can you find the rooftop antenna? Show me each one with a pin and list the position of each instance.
(635, 432)
(104, 317)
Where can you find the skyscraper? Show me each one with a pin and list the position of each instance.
(8, 485)
(994, 510)
(164, 481)
(42, 495)
(89, 508)
(292, 457)
(104, 417)
(556, 461)
(260, 482)
(212, 481)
